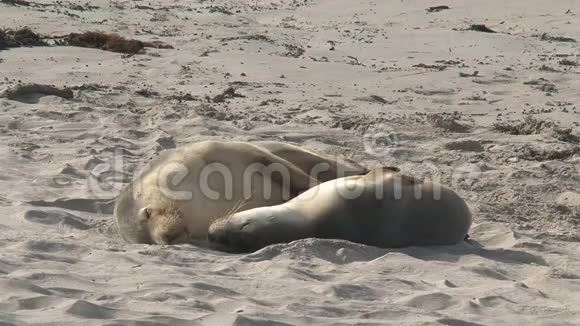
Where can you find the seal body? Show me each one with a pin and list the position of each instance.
(180, 194)
(382, 208)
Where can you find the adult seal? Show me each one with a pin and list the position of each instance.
(184, 190)
(383, 208)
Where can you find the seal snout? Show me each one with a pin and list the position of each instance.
(216, 234)
(228, 235)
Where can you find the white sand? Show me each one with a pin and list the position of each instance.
(61, 262)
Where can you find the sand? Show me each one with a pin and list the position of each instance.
(493, 115)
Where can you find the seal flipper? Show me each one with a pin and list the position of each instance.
(363, 172)
(299, 180)
(390, 168)
(325, 167)
(383, 170)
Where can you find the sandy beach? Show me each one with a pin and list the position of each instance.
(482, 95)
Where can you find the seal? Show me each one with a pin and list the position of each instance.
(177, 197)
(382, 208)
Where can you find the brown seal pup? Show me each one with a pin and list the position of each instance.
(185, 189)
(383, 208)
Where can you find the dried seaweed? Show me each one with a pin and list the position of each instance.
(542, 155)
(103, 41)
(480, 28)
(529, 126)
(21, 37)
(23, 90)
(437, 8)
(547, 37)
(448, 122)
(230, 92)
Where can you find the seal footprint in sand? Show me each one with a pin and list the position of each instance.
(179, 195)
(383, 208)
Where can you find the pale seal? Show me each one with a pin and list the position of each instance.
(179, 195)
(383, 208)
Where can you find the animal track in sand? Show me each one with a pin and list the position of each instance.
(102, 206)
(465, 146)
(84, 309)
(58, 218)
(431, 302)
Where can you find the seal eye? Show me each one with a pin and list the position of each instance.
(244, 225)
(144, 214)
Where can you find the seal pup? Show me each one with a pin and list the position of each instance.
(177, 197)
(383, 208)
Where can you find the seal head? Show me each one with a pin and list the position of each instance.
(259, 227)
